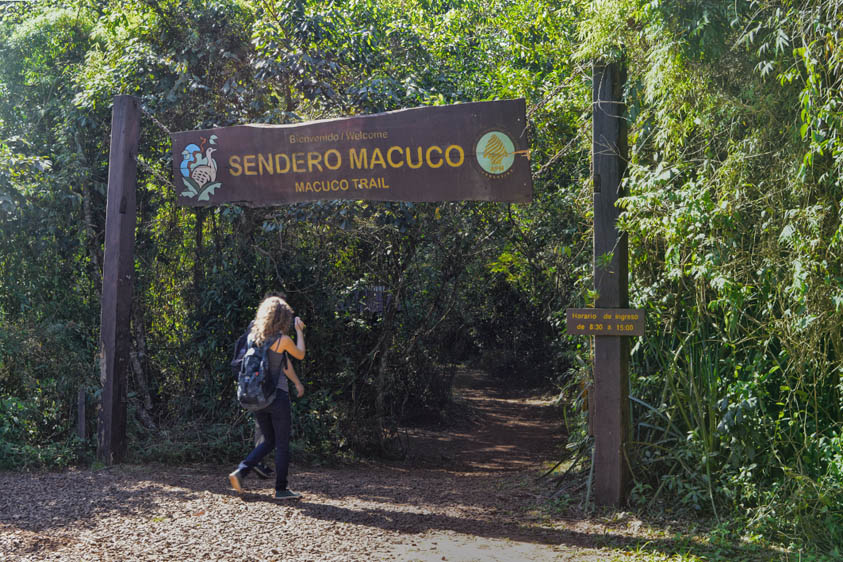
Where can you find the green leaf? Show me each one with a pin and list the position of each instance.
(209, 191)
(192, 186)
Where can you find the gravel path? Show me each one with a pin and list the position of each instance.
(465, 493)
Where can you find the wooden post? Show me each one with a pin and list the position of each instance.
(118, 265)
(610, 418)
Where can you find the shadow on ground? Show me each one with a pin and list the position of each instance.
(475, 480)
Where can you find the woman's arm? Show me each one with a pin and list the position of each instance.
(296, 350)
(291, 374)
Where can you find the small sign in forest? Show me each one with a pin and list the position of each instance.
(471, 151)
(605, 321)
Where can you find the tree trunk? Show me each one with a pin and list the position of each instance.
(198, 259)
(139, 362)
(92, 241)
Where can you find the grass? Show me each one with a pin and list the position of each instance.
(644, 535)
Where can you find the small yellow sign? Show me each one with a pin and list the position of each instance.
(605, 321)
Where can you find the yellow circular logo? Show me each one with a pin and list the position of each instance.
(495, 152)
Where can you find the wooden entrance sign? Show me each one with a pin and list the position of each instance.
(470, 151)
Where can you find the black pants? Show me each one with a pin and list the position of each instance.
(274, 422)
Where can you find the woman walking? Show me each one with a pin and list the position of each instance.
(271, 325)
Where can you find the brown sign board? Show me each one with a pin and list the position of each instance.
(605, 321)
(471, 151)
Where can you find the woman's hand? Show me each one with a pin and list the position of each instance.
(299, 389)
(295, 349)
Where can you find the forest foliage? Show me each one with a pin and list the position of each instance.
(732, 209)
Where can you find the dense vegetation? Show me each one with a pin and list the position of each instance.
(733, 215)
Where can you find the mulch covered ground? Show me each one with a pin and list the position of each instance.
(467, 492)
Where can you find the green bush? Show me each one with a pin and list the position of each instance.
(23, 444)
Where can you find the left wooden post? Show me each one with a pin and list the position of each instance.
(118, 274)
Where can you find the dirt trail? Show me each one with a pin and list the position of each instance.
(465, 493)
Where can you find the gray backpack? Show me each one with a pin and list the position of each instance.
(255, 385)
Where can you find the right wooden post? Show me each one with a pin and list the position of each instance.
(610, 400)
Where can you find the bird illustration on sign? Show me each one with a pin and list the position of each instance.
(199, 169)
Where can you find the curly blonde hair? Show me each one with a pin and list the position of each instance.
(273, 319)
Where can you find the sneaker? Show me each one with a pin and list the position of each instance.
(287, 495)
(262, 471)
(236, 479)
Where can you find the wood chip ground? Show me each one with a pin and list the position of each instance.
(466, 492)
